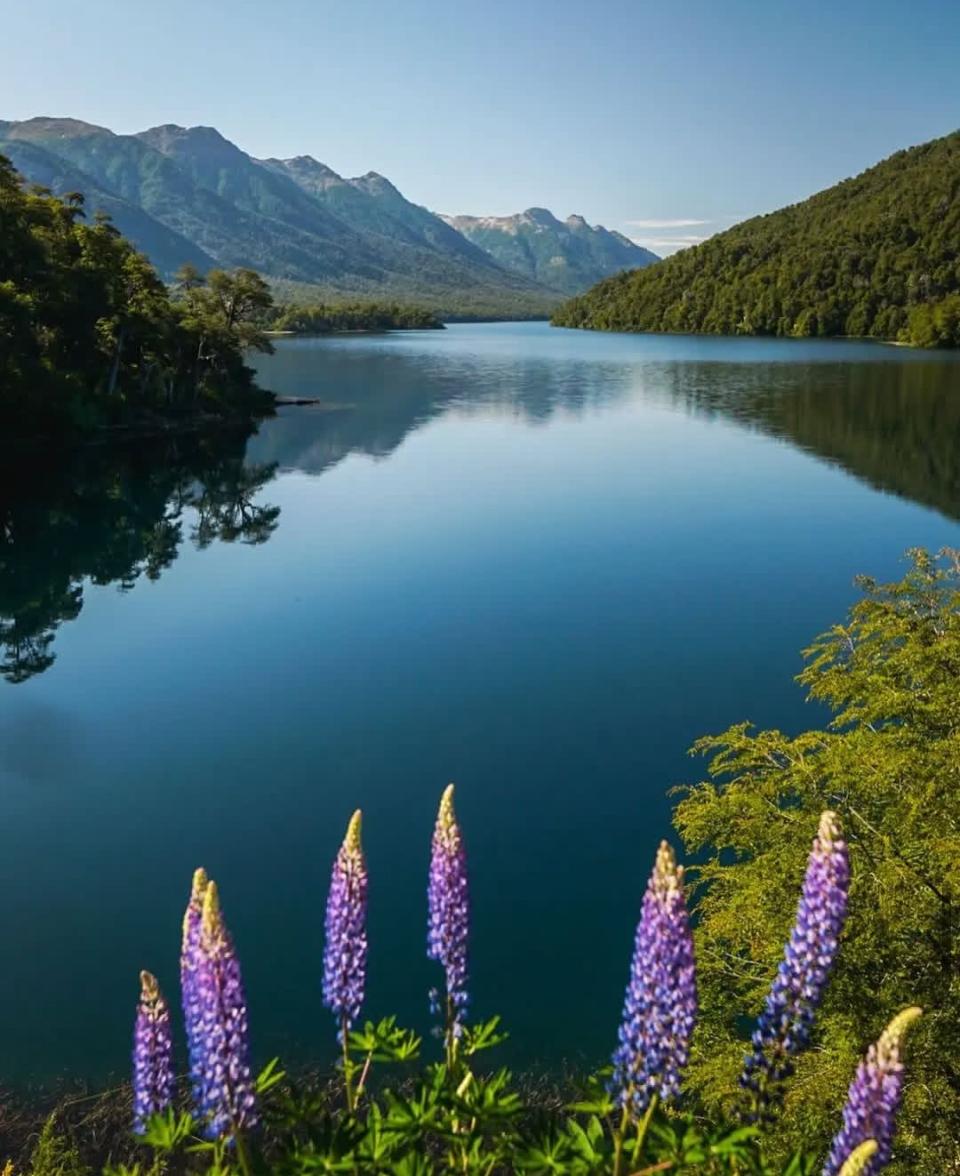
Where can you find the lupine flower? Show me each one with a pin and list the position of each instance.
(660, 1006)
(225, 1088)
(449, 906)
(858, 1161)
(345, 947)
(784, 1026)
(189, 958)
(152, 1052)
(873, 1100)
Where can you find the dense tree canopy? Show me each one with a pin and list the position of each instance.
(90, 335)
(889, 765)
(323, 317)
(878, 255)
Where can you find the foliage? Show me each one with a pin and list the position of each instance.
(935, 324)
(876, 256)
(90, 336)
(321, 318)
(889, 765)
(55, 1153)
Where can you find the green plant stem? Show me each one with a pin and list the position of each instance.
(618, 1135)
(450, 1037)
(243, 1155)
(364, 1073)
(347, 1065)
(644, 1124)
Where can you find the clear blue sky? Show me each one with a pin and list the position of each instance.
(638, 115)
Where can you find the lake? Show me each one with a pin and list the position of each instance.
(535, 562)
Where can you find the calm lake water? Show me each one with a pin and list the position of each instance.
(538, 563)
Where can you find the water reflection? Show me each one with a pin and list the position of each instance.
(894, 425)
(112, 515)
(374, 393)
(892, 421)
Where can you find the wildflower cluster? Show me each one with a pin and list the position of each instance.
(460, 1119)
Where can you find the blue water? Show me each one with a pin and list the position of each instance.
(535, 562)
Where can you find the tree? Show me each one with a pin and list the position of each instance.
(889, 763)
(89, 334)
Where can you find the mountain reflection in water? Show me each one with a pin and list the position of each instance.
(118, 515)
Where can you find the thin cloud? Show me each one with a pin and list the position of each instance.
(665, 223)
(681, 241)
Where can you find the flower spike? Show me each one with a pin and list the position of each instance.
(345, 947)
(448, 900)
(225, 1098)
(873, 1100)
(783, 1029)
(152, 1053)
(660, 1006)
(189, 961)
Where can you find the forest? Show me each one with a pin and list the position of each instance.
(875, 256)
(328, 317)
(91, 337)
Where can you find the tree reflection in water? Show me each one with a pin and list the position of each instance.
(112, 515)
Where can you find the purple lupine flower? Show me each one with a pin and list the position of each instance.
(152, 1054)
(345, 946)
(783, 1029)
(225, 1097)
(873, 1100)
(189, 961)
(660, 1006)
(448, 900)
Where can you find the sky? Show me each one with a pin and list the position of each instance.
(665, 121)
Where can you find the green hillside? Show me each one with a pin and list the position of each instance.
(878, 255)
(189, 195)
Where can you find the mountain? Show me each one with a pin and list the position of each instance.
(565, 255)
(877, 255)
(189, 195)
(167, 248)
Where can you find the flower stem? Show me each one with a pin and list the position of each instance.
(243, 1156)
(618, 1135)
(347, 1064)
(644, 1124)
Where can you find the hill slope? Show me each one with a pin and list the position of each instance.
(188, 194)
(878, 255)
(565, 255)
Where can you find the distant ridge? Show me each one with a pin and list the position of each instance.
(877, 255)
(187, 194)
(565, 255)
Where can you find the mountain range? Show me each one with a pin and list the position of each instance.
(877, 255)
(563, 255)
(190, 195)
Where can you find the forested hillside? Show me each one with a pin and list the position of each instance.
(188, 195)
(878, 255)
(90, 336)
